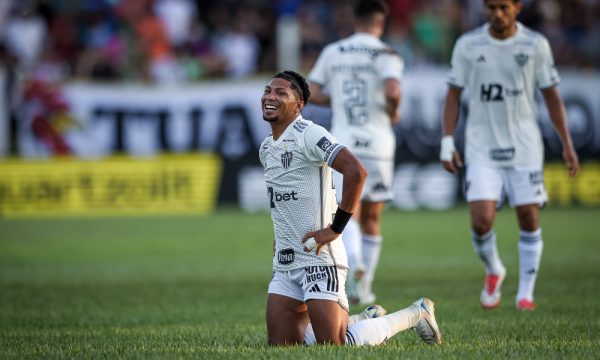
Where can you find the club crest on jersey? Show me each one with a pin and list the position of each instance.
(286, 159)
(521, 59)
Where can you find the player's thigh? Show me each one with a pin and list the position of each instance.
(528, 217)
(483, 183)
(287, 319)
(329, 321)
(286, 312)
(525, 186)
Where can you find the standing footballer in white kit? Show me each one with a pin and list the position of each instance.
(501, 64)
(359, 77)
(307, 301)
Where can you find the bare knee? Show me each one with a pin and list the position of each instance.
(370, 226)
(482, 216)
(528, 217)
(370, 218)
(482, 224)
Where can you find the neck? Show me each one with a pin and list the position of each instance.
(504, 33)
(278, 127)
(371, 30)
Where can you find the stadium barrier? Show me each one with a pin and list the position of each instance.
(225, 118)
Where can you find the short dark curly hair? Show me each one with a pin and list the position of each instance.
(365, 9)
(298, 83)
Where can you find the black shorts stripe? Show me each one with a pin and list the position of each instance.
(337, 280)
(350, 338)
(332, 272)
(329, 279)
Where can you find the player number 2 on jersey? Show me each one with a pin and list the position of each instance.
(355, 92)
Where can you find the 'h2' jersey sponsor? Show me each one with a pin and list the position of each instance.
(501, 77)
(301, 193)
(354, 69)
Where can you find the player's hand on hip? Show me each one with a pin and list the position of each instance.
(317, 239)
(450, 158)
(571, 160)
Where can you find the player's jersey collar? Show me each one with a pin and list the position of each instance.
(287, 129)
(365, 37)
(503, 42)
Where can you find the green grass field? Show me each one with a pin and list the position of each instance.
(195, 287)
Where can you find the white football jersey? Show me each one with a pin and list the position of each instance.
(301, 193)
(501, 77)
(353, 70)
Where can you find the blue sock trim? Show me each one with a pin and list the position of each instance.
(530, 237)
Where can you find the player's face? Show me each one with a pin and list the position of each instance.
(502, 15)
(280, 101)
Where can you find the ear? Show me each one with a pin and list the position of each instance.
(379, 22)
(518, 6)
(299, 106)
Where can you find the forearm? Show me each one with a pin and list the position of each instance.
(352, 189)
(392, 104)
(354, 175)
(393, 95)
(451, 111)
(318, 96)
(558, 116)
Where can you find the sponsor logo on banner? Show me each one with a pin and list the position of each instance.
(114, 186)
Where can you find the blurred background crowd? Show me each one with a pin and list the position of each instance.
(175, 41)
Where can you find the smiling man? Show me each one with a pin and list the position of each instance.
(307, 301)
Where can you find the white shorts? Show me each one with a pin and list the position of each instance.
(522, 185)
(378, 185)
(312, 282)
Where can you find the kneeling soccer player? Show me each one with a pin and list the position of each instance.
(307, 301)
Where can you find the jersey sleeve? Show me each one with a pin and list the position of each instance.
(391, 66)
(318, 74)
(457, 76)
(320, 145)
(546, 75)
(262, 152)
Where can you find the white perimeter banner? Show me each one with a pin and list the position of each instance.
(225, 118)
(147, 120)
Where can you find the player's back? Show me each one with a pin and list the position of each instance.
(353, 70)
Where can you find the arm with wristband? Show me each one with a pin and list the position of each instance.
(354, 174)
(449, 157)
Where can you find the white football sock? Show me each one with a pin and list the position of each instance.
(376, 331)
(352, 242)
(485, 247)
(309, 335)
(530, 254)
(371, 248)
